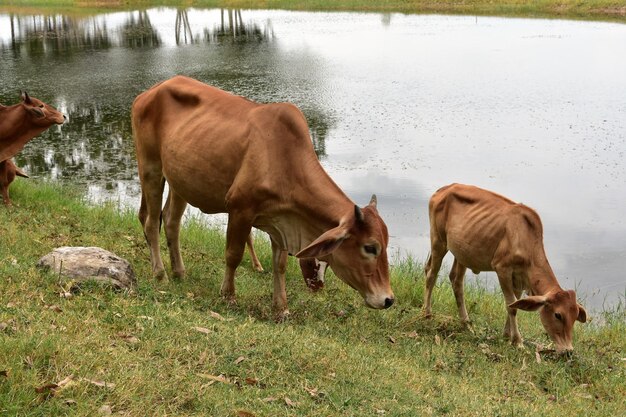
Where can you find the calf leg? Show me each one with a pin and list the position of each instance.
(172, 215)
(313, 273)
(433, 264)
(505, 277)
(152, 185)
(236, 235)
(457, 275)
(279, 267)
(256, 264)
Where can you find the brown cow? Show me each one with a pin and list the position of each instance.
(8, 172)
(225, 154)
(488, 232)
(22, 122)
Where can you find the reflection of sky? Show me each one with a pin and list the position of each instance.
(533, 109)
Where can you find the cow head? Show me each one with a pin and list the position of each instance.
(558, 312)
(356, 250)
(40, 113)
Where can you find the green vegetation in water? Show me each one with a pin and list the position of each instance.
(179, 349)
(588, 9)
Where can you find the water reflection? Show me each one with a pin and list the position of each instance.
(138, 31)
(398, 105)
(57, 34)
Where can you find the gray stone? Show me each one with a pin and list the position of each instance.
(89, 263)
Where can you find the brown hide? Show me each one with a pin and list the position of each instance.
(22, 122)
(488, 232)
(225, 154)
(8, 172)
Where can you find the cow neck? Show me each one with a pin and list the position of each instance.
(15, 132)
(323, 201)
(542, 278)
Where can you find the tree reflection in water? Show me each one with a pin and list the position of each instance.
(92, 80)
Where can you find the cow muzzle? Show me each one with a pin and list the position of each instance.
(378, 301)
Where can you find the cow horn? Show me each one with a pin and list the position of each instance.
(25, 97)
(358, 214)
(373, 200)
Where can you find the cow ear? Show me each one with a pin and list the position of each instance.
(532, 303)
(325, 244)
(582, 314)
(358, 214)
(26, 98)
(373, 201)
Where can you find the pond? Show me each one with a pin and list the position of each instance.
(398, 105)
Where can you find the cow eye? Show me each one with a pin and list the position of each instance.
(41, 106)
(558, 316)
(371, 249)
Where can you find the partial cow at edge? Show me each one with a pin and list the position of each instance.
(18, 125)
(225, 154)
(8, 172)
(488, 232)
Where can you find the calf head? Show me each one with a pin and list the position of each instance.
(558, 312)
(356, 250)
(40, 113)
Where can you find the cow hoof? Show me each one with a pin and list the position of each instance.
(230, 299)
(161, 276)
(282, 316)
(258, 268)
(427, 315)
(467, 325)
(179, 274)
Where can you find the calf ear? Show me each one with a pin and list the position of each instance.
(582, 314)
(373, 201)
(531, 303)
(26, 98)
(325, 244)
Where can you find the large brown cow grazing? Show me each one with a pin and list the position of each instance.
(8, 172)
(225, 154)
(488, 232)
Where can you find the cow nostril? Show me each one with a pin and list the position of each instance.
(388, 302)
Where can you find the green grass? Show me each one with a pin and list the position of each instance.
(333, 357)
(587, 9)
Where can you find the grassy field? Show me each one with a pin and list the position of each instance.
(177, 349)
(588, 9)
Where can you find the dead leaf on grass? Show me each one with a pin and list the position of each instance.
(105, 410)
(291, 403)
(218, 316)
(437, 340)
(45, 388)
(537, 357)
(219, 378)
(201, 330)
(4, 373)
(269, 399)
(98, 383)
(251, 381)
(128, 338)
(244, 413)
(69, 401)
(412, 334)
(239, 360)
(54, 308)
(392, 339)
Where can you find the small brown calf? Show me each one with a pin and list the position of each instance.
(488, 232)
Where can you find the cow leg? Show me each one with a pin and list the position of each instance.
(279, 267)
(457, 276)
(4, 183)
(505, 277)
(433, 264)
(256, 264)
(150, 218)
(172, 215)
(236, 235)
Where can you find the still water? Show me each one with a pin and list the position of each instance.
(398, 105)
